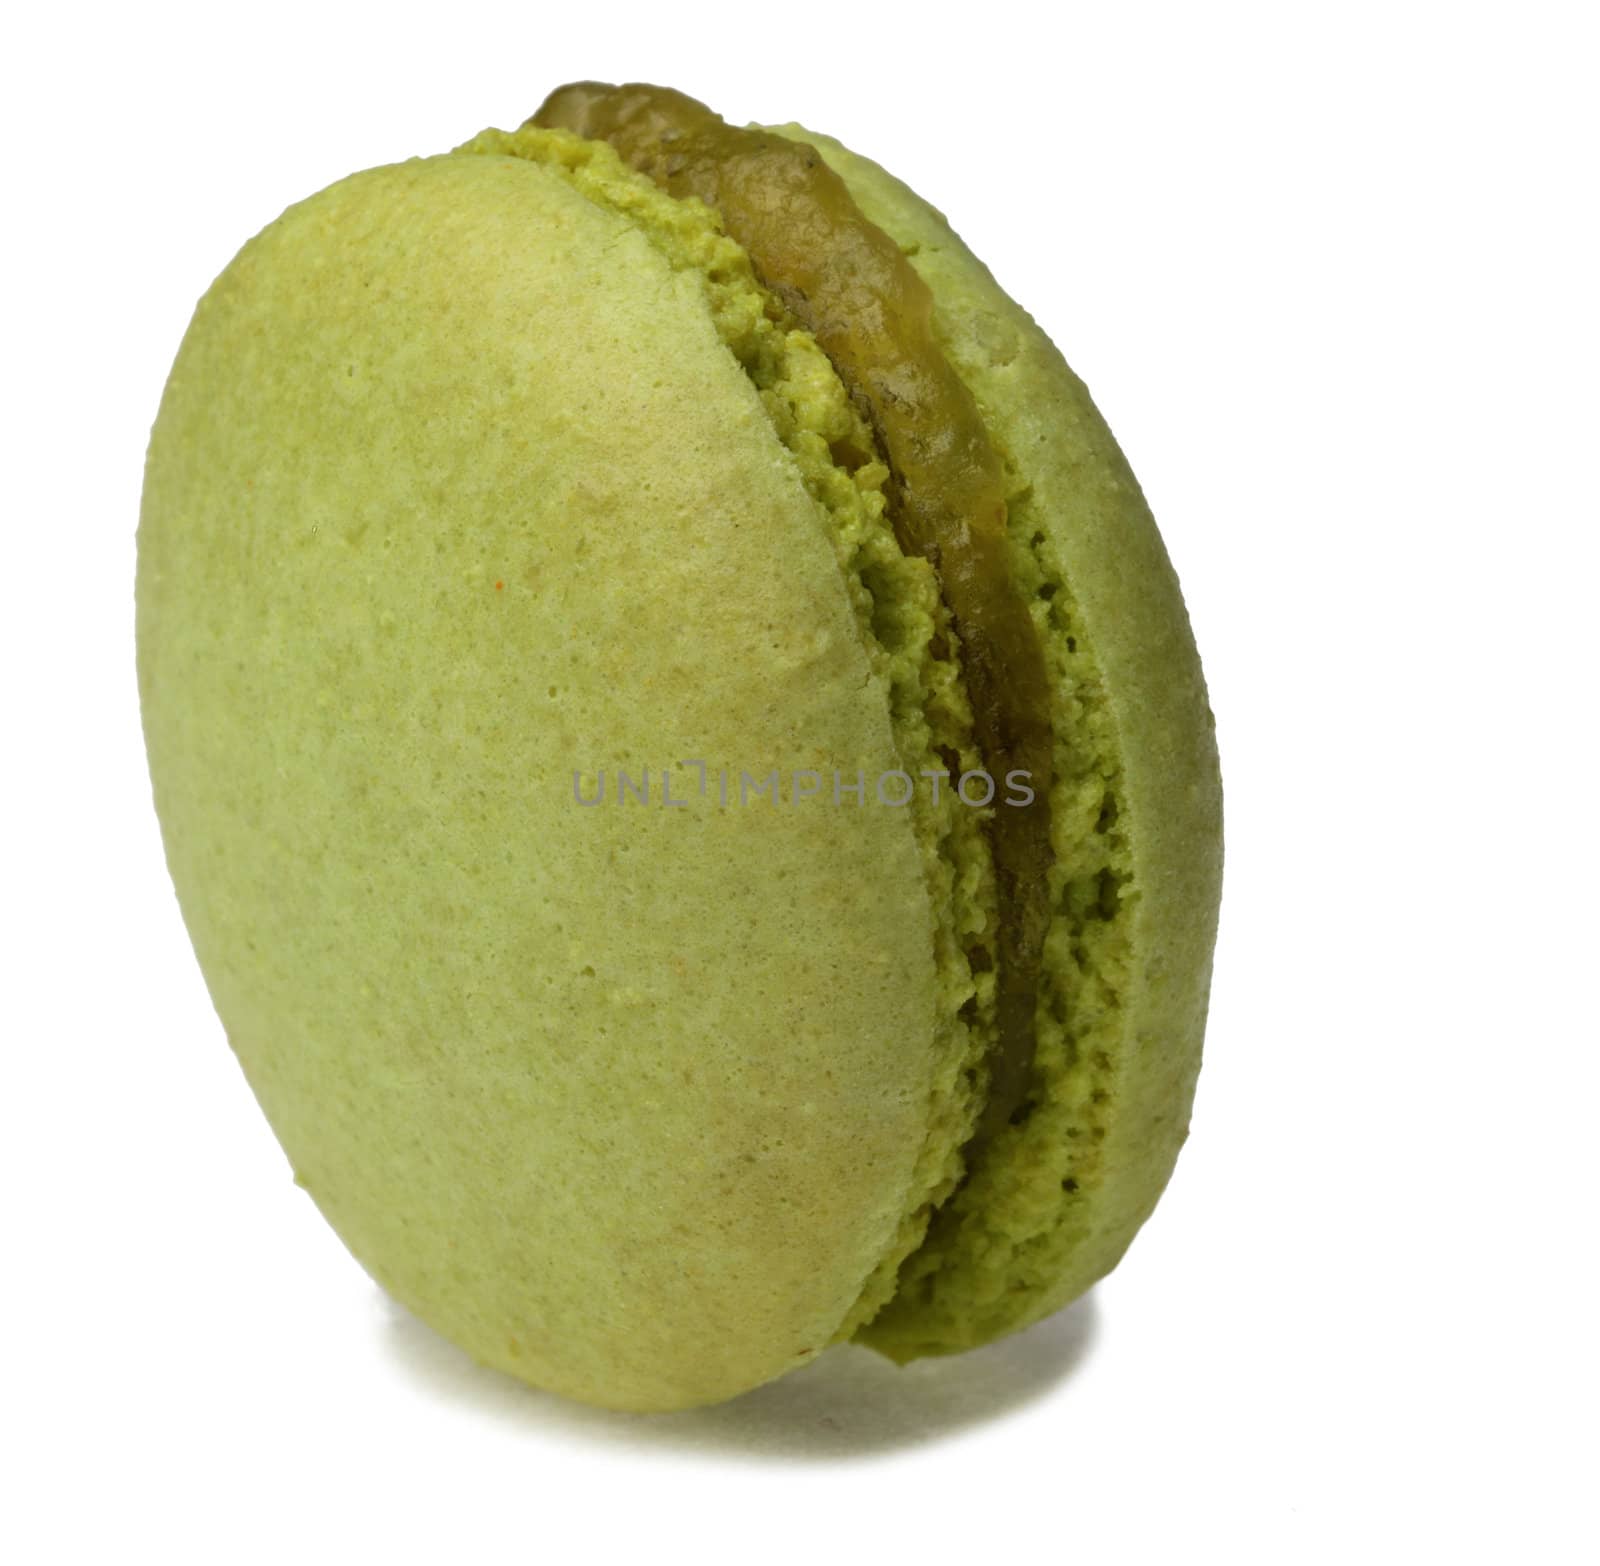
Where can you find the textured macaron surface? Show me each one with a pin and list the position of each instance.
(456, 490)
(510, 552)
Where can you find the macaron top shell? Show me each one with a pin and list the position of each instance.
(455, 490)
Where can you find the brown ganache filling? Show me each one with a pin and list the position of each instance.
(848, 284)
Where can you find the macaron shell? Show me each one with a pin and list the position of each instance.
(454, 492)
(1015, 1245)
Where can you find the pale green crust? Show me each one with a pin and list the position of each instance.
(454, 489)
(1136, 824)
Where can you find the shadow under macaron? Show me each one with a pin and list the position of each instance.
(848, 1403)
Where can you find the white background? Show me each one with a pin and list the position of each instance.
(1331, 273)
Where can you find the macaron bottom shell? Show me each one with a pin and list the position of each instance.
(1053, 1204)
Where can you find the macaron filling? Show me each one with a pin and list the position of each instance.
(1049, 1208)
(847, 282)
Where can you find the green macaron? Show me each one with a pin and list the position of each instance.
(680, 752)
